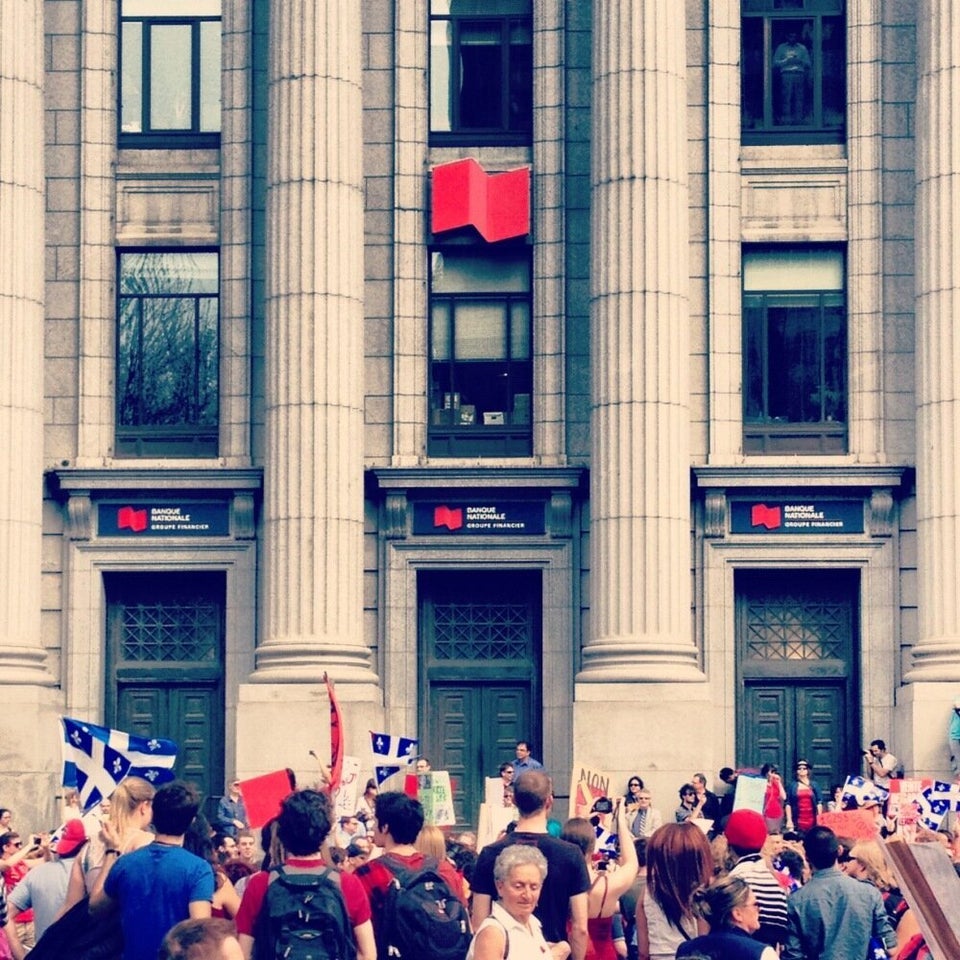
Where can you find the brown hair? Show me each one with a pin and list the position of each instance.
(678, 861)
(579, 831)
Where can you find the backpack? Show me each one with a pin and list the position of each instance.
(304, 917)
(421, 919)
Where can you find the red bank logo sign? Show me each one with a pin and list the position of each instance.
(497, 205)
(797, 516)
(452, 519)
(763, 516)
(129, 518)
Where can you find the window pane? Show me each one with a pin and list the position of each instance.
(793, 269)
(481, 77)
(834, 360)
(792, 71)
(129, 374)
(834, 72)
(170, 76)
(754, 351)
(208, 363)
(131, 93)
(440, 331)
(171, 8)
(441, 75)
(210, 77)
(521, 77)
(168, 272)
(793, 334)
(480, 331)
(453, 272)
(168, 355)
(520, 331)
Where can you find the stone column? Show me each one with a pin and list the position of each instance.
(22, 655)
(640, 555)
(937, 654)
(313, 479)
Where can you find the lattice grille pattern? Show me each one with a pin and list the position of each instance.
(481, 631)
(796, 628)
(171, 631)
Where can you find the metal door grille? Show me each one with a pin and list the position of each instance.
(481, 631)
(170, 631)
(790, 627)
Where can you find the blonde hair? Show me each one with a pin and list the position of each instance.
(430, 842)
(125, 799)
(870, 856)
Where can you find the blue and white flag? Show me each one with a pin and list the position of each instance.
(935, 801)
(390, 753)
(863, 791)
(96, 759)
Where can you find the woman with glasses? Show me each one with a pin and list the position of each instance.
(691, 806)
(804, 800)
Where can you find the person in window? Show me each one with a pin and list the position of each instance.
(792, 64)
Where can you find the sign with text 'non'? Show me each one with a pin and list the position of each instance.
(796, 516)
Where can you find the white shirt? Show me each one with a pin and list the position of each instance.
(526, 941)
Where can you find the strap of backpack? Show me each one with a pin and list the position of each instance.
(405, 874)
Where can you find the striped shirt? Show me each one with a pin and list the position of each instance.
(771, 897)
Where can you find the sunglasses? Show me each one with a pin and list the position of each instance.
(844, 859)
(803, 766)
(15, 843)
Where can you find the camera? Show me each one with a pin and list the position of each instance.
(35, 840)
(603, 805)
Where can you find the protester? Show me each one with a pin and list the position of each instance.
(524, 762)
(774, 798)
(212, 939)
(729, 906)
(691, 806)
(804, 800)
(643, 819)
(953, 736)
(833, 917)
(678, 861)
(746, 833)
(562, 908)
(160, 884)
(881, 764)
(302, 828)
(231, 811)
(44, 889)
(709, 802)
(519, 873)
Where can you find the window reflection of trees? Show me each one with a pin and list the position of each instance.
(168, 340)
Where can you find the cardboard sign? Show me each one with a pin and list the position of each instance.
(749, 793)
(346, 799)
(263, 795)
(587, 785)
(853, 824)
(436, 796)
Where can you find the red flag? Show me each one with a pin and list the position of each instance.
(336, 737)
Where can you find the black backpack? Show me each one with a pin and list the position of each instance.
(304, 917)
(421, 918)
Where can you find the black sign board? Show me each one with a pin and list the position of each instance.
(167, 518)
(796, 516)
(479, 517)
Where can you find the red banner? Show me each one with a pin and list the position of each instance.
(336, 737)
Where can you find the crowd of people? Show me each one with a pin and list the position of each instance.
(145, 875)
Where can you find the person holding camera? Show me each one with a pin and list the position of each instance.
(881, 764)
(606, 885)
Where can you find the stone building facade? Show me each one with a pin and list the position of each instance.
(662, 480)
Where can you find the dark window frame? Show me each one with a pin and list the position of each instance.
(147, 136)
(502, 133)
(766, 432)
(191, 437)
(827, 108)
(447, 433)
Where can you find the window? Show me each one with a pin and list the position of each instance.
(170, 73)
(168, 354)
(794, 71)
(481, 366)
(795, 350)
(481, 71)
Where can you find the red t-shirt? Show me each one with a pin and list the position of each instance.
(354, 896)
(12, 876)
(376, 877)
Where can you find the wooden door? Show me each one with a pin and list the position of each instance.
(480, 668)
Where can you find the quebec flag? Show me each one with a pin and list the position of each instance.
(390, 753)
(863, 791)
(96, 759)
(934, 803)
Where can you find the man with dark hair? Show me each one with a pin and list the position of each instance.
(399, 819)
(564, 893)
(160, 884)
(524, 761)
(881, 764)
(832, 916)
(302, 828)
(711, 804)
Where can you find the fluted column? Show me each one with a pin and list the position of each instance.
(640, 489)
(313, 522)
(21, 340)
(937, 654)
